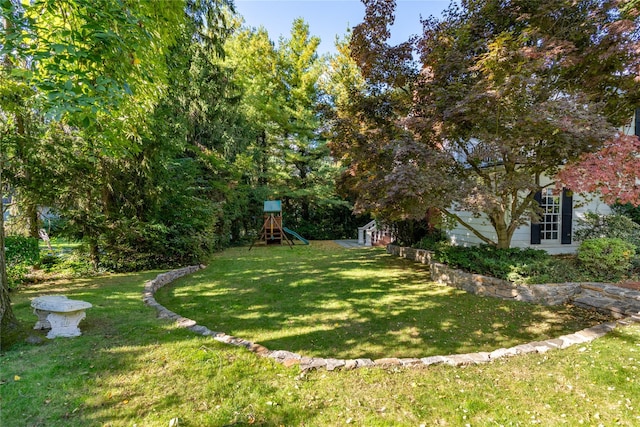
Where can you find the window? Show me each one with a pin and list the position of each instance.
(550, 221)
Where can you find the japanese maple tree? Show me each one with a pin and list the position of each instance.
(505, 93)
(613, 171)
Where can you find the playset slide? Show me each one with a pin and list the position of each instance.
(296, 235)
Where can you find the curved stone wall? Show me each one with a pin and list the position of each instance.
(288, 358)
(606, 298)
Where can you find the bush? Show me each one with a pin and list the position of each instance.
(594, 226)
(74, 264)
(21, 253)
(628, 210)
(552, 269)
(606, 258)
(432, 241)
(488, 260)
(20, 249)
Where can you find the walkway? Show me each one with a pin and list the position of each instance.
(349, 244)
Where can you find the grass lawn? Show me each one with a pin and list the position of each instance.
(323, 300)
(59, 246)
(129, 368)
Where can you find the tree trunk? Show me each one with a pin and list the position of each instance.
(10, 329)
(32, 220)
(503, 232)
(95, 253)
(504, 239)
(263, 168)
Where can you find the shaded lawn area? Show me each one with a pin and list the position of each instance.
(323, 300)
(130, 368)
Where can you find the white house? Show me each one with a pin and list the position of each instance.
(555, 230)
(553, 233)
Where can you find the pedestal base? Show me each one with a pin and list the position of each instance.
(65, 324)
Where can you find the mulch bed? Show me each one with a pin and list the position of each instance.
(629, 285)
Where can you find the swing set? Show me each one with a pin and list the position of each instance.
(272, 231)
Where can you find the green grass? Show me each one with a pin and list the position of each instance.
(322, 300)
(59, 246)
(129, 368)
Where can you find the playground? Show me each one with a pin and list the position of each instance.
(273, 231)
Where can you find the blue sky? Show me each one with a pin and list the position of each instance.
(328, 18)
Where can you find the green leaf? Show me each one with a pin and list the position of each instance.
(52, 96)
(22, 73)
(58, 48)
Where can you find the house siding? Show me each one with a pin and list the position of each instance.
(522, 236)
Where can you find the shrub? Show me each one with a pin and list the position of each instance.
(21, 253)
(594, 226)
(432, 241)
(74, 264)
(20, 249)
(487, 259)
(606, 258)
(628, 210)
(552, 269)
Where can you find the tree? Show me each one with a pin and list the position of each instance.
(281, 99)
(161, 205)
(66, 57)
(613, 171)
(507, 93)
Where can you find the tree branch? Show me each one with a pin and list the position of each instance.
(469, 227)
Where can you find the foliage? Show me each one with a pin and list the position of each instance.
(416, 233)
(90, 57)
(551, 269)
(432, 241)
(20, 249)
(95, 65)
(594, 226)
(503, 97)
(628, 210)
(611, 171)
(487, 259)
(288, 158)
(326, 222)
(21, 253)
(157, 201)
(531, 266)
(606, 258)
(67, 265)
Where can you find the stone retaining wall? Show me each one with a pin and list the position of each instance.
(288, 358)
(606, 298)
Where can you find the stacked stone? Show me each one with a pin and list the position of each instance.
(613, 300)
(620, 302)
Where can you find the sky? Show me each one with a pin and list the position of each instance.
(328, 18)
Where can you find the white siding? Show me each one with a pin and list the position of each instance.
(462, 236)
(522, 236)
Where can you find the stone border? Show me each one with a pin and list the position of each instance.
(288, 358)
(606, 298)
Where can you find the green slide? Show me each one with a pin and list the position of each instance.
(296, 235)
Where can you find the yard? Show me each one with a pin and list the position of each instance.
(325, 301)
(129, 368)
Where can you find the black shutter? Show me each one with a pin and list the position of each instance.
(535, 226)
(637, 121)
(567, 217)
